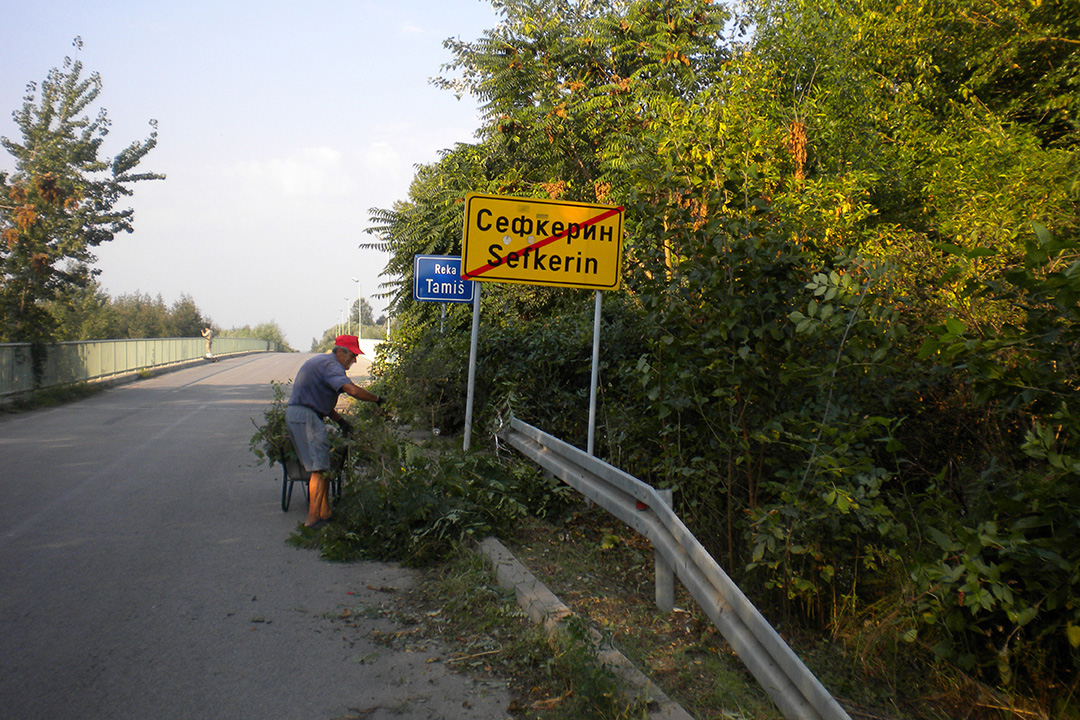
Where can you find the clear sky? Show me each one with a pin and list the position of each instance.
(281, 123)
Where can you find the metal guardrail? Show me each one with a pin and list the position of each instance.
(69, 362)
(797, 693)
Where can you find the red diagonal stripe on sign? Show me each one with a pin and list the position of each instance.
(546, 241)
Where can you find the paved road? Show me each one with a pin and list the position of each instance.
(144, 574)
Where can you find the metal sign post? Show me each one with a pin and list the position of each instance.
(438, 278)
(595, 382)
(472, 370)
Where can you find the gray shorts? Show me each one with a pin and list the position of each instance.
(308, 433)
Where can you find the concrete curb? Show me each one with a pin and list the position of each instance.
(546, 609)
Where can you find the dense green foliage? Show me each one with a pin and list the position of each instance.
(89, 313)
(406, 502)
(848, 327)
(427, 503)
(263, 331)
(60, 203)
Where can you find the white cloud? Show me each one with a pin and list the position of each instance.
(309, 172)
(382, 159)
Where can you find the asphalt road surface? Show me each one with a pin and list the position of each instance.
(144, 571)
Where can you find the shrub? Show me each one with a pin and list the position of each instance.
(424, 502)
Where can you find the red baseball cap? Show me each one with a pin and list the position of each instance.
(350, 343)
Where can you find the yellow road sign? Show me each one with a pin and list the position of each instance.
(542, 242)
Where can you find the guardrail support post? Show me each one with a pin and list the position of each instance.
(665, 576)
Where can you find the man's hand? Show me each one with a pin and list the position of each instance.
(379, 401)
(346, 428)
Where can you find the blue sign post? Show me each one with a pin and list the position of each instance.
(437, 278)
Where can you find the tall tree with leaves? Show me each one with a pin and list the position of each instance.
(563, 83)
(61, 200)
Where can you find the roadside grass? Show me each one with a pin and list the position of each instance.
(555, 677)
(604, 574)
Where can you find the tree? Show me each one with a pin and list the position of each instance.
(802, 212)
(185, 319)
(363, 315)
(270, 331)
(140, 316)
(84, 313)
(60, 202)
(88, 313)
(563, 82)
(429, 223)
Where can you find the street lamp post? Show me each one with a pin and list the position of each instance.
(359, 309)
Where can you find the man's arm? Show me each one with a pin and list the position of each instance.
(360, 393)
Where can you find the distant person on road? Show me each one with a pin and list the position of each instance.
(315, 393)
(208, 333)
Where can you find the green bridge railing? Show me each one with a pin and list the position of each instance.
(25, 367)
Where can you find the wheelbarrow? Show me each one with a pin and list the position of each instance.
(292, 472)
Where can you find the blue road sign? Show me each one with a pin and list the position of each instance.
(437, 278)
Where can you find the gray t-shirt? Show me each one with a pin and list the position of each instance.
(318, 384)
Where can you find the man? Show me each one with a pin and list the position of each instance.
(208, 333)
(315, 393)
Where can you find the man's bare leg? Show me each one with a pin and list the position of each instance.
(324, 507)
(318, 499)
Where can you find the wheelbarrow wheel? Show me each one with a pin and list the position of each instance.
(286, 488)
